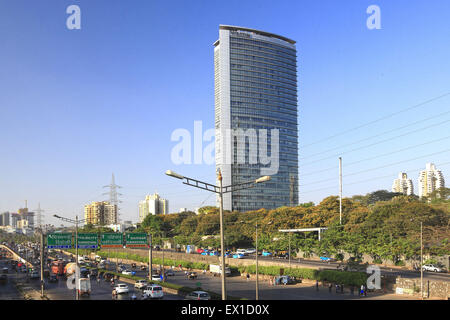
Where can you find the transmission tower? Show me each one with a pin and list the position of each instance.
(39, 215)
(113, 194)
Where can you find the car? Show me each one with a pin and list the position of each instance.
(156, 277)
(250, 251)
(241, 251)
(170, 272)
(214, 253)
(198, 295)
(53, 278)
(192, 275)
(140, 284)
(34, 275)
(199, 250)
(5, 270)
(143, 267)
(3, 278)
(154, 291)
(121, 288)
(266, 254)
(327, 259)
(129, 272)
(238, 256)
(431, 267)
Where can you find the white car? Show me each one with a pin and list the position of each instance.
(431, 267)
(128, 272)
(242, 251)
(154, 292)
(141, 284)
(156, 277)
(198, 295)
(121, 288)
(250, 251)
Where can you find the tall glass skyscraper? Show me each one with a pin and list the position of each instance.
(256, 94)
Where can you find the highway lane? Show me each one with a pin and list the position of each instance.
(8, 290)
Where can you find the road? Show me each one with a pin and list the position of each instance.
(393, 272)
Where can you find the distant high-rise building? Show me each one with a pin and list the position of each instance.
(4, 219)
(256, 115)
(403, 185)
(153, 204)
(430, 180)
(100, 213)
(24, 214)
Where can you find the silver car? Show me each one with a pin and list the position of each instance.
(198, 295)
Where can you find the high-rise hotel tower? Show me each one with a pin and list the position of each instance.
(256, 100)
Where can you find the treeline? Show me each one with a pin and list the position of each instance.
(381, 224)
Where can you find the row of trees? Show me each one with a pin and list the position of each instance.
(381, 224)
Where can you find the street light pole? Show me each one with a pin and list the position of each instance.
(289, 250)
(220, 190)
(222, 246)
(257, 280)
(150, 257)
(42, 263)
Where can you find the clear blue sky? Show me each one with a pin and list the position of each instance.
(78, 105)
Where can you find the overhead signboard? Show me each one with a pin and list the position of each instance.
(59, 241)
(136, 240)
(87, 241)
(111, 240)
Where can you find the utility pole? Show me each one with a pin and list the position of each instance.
(42, 263)
(150, 256)
(289, 250)
(163, 269)
(77, 269)
(340, 190)
(257, 282)
(421, 261)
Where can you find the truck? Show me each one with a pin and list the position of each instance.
(216, 270)
(84, 286)
(57, 268)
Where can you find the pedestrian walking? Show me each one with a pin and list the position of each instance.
(361, 291)
(337, 288)
(317, 285)
(329, 288)
(248, 276)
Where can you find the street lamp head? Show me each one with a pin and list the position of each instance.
(174, 174)
(56, 216)
(262, 179)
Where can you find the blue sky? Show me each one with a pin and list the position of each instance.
(78, 105)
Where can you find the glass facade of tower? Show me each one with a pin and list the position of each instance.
(256, 88)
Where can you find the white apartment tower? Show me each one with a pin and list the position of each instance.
(153, 204)
(430, 180)
(403, 185)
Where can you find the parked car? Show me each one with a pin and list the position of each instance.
(121, 288)
(431, 267)
(250, 251)
(140, 284)
(154, 291)
(242, 251)
(198, 295)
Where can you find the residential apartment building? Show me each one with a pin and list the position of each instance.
(430, 180)
(4, 219)
(255, 76)
(403, 185)
(100, 213)
(153, 204)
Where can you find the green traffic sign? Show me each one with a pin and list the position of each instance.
(111, 240)
(87, 240)
(59, 241)
(136, 240)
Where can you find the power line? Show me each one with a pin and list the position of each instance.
(375, 157)
(377, 135)
(379, 119)
(381, 167)
(379, 142)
